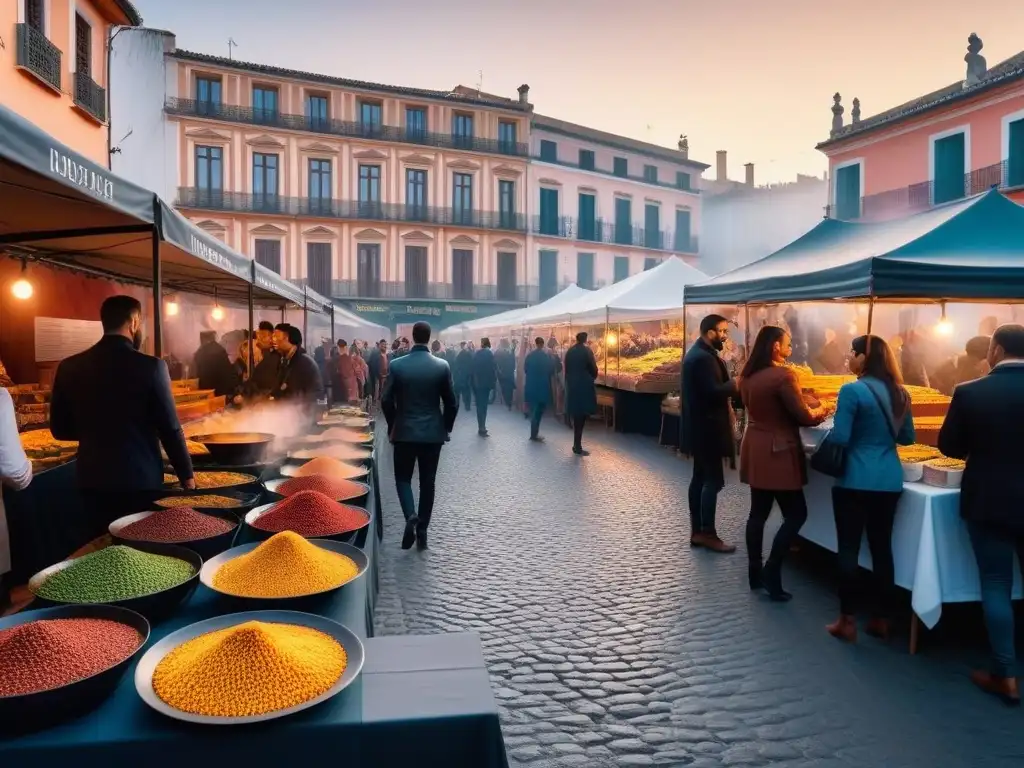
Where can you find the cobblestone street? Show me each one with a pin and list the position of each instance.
(611, 643)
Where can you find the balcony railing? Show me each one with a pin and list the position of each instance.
(90, 97)
(38, 55)
(239, 202)
(369, 289)
(249, 116)
(628, 177)
(599, 231)
(922, 196)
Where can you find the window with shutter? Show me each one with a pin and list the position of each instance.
(415, 272)
(507, 276)
(462, 274)
(848, 192)
(34, 14)
(368, 270)
(83, 46)
(549, 211)
(682, 235)
(623, 221)
(268, 254)
(585, 270)
(621, 268)
(318, 267)
(949, 168)
(651, 263)
(652, 226)
(1015, 155)
(548, 274)
(588, 217)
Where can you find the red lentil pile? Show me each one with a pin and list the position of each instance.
(332, 488)
(51, 653)
(311, 514)
(171, 526)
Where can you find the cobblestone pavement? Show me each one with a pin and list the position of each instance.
(611, 643)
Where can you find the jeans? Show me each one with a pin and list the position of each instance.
(858, 512)
(578, 422)
(993, 550)
(407, 455)
(793, 506)
(536, 414)
(482, 403)
(707, 480)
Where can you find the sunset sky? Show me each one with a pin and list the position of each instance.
(753, 77)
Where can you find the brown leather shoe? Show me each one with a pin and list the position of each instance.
(878, 628)
(712, 542)
(845, 628)
(1004, 688)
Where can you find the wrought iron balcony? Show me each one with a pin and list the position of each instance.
(379, 289)
(90, 97)
(915, 198)
(239, 202)
(36, 54)
(350, 129)
(629, 177)
(599, 231)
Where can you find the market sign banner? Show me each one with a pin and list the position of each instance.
(269, 280)
(187, 236)
(439, 314)
(24, 144)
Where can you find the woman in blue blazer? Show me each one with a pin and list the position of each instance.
(872, 416)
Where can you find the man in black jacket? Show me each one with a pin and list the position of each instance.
(267, 372)
(984, 427)
(117, 403)
(299, 380)
(580, 389)
(483, 376)
(213, 366)
(706, 432)
(462, 373)
(505, 360)
(420, 406)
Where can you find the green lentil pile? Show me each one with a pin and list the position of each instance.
(112, 574)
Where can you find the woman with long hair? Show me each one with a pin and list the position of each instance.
(872, 416)
(772, 460)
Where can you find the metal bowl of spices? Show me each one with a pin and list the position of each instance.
(236, 448)
(148, 578)
(285, 567)
(206, 533)
(345, 452)
(310, 519)
(62, 662)
(348, 491)
(328, 466)
(229, 682)
(234, 501)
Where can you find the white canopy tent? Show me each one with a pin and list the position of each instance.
(513, 318)
(651, 295)
(355, 325)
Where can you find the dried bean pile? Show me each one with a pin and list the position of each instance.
(285, 565)
(329, 467)
(176, 525)
(331, 487)
(114, 573)
(311, 514)
(51, 653)
(249, 669)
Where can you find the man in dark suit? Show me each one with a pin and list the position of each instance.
(984, 427)
(416, 390)
(117, 403)
(462, 375)
(213, 366)
(580, 389)
(505, 360)
(706, 433)
(483, 376)
(299, 380)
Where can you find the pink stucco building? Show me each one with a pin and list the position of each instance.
(959, 140)
(607, 206)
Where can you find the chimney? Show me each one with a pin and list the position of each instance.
(721, 165)
(750, 174)
(524, 94)
(684, 146)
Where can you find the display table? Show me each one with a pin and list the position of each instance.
(671, 424)
(421, 701)
(931, 548)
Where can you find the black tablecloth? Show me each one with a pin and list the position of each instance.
(638, 412)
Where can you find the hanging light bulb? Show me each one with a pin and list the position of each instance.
(611, 339)
(21, 288)
(172, 308)
(945, 326)
(217, 313)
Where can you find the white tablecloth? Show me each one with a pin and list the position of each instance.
(931, 549)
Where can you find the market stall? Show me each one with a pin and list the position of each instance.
(931, 285)
(636, 331)
(408, 699)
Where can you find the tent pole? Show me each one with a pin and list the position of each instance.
(871, 312)
(684, 324)
(158, 303)
(746, 328)
(251, 363)
(332, 324)
(606, 341)
(305, 317)
(618, 358)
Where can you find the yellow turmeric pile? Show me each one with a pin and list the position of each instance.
(285, 565)
(249, 669)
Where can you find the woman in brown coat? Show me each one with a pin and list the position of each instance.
(772, 460)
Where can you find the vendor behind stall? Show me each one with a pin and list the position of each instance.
(300, 380)
(116, 402)
(267, 372)
(213, 366)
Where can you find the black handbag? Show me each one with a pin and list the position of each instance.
(830, 458)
